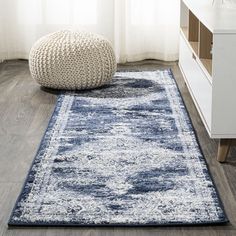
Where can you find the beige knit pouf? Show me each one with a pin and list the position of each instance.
(72, 60)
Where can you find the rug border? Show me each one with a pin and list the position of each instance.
(200, 148)
(163, 224)
(59, 95)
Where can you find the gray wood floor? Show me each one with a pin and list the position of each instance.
(25, 110)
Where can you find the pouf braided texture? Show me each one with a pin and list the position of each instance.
(72, 60)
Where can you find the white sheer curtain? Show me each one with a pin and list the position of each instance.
(138, 29)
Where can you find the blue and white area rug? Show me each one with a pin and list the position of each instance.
(125, 154)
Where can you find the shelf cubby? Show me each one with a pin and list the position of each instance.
(193, 28)
(193, 32)
(205, 47)
(199, 37)
(205, 41)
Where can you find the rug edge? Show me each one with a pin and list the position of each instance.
(55, 109)
(170, 72)
(210, 223)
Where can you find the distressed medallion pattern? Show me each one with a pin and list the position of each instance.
(124, 154)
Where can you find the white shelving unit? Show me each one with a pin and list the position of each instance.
(208, 63)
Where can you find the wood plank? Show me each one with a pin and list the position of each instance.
(205, 40)
(195, 46)
(193, 29)
(207, 63)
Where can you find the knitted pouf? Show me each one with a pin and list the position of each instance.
(72, 60)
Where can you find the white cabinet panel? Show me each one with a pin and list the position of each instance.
(197, 82)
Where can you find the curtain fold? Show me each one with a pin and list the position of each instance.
(137, 29)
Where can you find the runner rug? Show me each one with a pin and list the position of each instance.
(122, 155)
